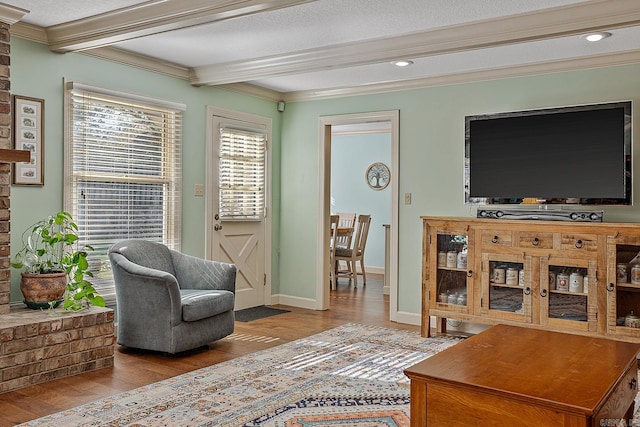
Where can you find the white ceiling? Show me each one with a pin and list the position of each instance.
(296, 49)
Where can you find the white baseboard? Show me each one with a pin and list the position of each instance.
(408, 318)
(370, 269)
(292, 301)
(373, 270)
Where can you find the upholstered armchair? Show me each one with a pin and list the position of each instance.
(169, 301)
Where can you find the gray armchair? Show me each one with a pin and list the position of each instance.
(169, 301)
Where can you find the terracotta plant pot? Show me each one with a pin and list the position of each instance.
(41, 289)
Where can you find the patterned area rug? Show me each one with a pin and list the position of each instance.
(351, 375)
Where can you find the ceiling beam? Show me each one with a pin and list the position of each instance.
(151, 17)
(556, 22)
(511, 71)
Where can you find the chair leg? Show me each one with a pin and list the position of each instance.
(333, 273)
(354, 273)
(364, 273)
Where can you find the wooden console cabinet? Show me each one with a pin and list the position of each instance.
(553, 275)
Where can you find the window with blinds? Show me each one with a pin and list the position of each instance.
(122, 175)
(241, 174)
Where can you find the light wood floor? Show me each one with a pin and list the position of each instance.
(365, 305)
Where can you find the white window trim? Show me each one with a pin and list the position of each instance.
(172, 223)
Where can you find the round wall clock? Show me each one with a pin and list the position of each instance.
(378, 176)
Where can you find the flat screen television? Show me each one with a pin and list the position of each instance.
(578, 155)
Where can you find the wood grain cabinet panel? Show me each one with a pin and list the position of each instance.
(539, 251)
(535, 240)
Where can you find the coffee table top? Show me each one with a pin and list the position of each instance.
(560, 369)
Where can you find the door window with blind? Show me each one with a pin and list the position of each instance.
(241, 183)
(122, 172)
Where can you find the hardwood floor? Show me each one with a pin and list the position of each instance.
(135, 368)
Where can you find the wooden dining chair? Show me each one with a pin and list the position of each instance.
(355, 253)
(347, 220)
(333, 239)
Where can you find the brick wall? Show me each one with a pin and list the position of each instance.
(5, 168)
(39, 346)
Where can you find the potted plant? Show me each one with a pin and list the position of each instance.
(54, 267)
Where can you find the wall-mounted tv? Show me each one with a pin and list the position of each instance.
(578, 155)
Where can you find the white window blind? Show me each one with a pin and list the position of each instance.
(122, 174)
(241, 174)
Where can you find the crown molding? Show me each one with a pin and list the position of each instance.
(152, 17)
(548, 67)
(556, 22)
(29, 32)
(38, 34)
(138, 61)
(253, 90)
(11, 14)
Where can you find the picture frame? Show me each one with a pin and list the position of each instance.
(28, 134)
(377, 176)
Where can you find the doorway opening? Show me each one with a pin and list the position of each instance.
(326, 123)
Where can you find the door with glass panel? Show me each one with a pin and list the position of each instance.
(237, 203)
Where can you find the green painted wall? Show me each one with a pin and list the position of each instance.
(431, 158)
(431, 150)
(38, 73)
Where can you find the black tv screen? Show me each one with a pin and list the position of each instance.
(570, 155)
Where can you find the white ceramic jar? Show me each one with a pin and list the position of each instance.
(562, 282)
(511, 276)
(452, 258)
(632, 321)
(635, 274)
(576, 282)
(499, 275)
(461, 262)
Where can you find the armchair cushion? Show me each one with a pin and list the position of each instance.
(200, 304)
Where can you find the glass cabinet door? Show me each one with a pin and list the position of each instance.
(453, 271)
(623, 285)
(568, 293)
(506, 286)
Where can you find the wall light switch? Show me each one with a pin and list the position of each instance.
(198, 190)
(407, 198)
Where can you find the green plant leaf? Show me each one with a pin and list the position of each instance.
(51, 244)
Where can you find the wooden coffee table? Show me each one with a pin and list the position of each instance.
(512, 376)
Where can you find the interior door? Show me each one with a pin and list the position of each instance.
(237, 208)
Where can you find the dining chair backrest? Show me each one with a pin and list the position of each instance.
(347, 219)
(335, 222)
(360, 240)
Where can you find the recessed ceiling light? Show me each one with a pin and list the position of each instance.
(402, 63)
(596, 37)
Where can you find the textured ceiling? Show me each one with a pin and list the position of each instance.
(295, 46)
(51, 12)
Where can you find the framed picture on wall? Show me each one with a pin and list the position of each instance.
(28, 134)
(377, 176)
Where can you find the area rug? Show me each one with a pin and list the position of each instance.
(351, 375)
(255, 313)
